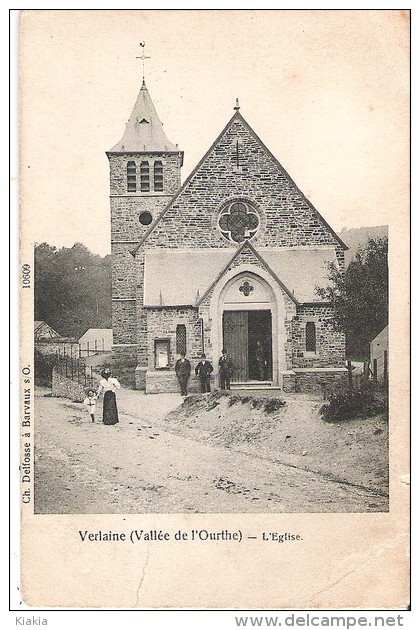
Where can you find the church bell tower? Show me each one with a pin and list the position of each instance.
(145, 172)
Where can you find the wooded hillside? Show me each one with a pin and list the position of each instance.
(72, 289)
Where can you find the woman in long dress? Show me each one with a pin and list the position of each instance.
(109, 385)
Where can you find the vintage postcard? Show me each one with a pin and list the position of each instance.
(214, 273)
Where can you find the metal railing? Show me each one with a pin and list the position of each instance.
(74, 368)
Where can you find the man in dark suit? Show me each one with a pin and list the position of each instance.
(183, 370)
(203, 371)
(225, 370)
(261, 361)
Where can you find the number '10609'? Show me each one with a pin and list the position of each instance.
(26, 276)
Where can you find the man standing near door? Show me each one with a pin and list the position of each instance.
(261, 361)
(203, 371)
(225, 370)
(183, 369)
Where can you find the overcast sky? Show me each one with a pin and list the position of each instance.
(326, 91)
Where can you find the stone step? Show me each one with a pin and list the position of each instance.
(253, 385)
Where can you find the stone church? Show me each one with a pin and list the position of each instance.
(230, 259)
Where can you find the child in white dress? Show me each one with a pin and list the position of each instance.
(90, 403)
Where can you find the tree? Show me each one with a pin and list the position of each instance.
(72, 289)
(359, 296)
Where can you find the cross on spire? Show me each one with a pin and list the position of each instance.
(143, 56)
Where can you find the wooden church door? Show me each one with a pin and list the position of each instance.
(242, 331)
(235, 340)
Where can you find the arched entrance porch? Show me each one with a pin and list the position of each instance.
(248, 314)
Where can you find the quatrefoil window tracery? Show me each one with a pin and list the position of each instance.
(246, 288)
(238, 221)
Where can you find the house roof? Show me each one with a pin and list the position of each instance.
(381, 337)
(99, 333)
(179, 277)
(43, 327)
(144, 130)
(236, 116)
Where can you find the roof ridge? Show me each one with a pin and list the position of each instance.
(237, 116)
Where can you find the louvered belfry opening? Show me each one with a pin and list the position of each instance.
(131, 177)
(144, 177)
(158, 176)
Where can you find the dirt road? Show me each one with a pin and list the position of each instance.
(138, 466)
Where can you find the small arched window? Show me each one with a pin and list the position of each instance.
(131, 177)
(181, 339)
(158, 176)
(144, 177)
(310, 336)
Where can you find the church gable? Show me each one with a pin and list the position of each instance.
(239, 191)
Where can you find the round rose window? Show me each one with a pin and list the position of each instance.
(238, 221)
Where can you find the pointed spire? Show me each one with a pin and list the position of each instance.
(144, 131)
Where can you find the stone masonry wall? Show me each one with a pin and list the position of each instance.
(66, 388)
(141, 313)
(126, 231)
(57, 346)
(330, 344)
(124, 355)
(164, 381)
(320, 381)
(162, 323)
(125, 216)
(124, 321)
(124, 272)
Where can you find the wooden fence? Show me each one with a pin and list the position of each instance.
(377, 372)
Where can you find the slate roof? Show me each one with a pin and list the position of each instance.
(173, 277)
(180, 278)
(144, 131)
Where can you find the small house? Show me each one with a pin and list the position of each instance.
(49, 341)
(42, 330)
(95, 341)
(379, 356)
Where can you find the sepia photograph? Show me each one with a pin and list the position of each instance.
(214, 292)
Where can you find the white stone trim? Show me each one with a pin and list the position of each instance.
(320, 369)
(120, 299)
